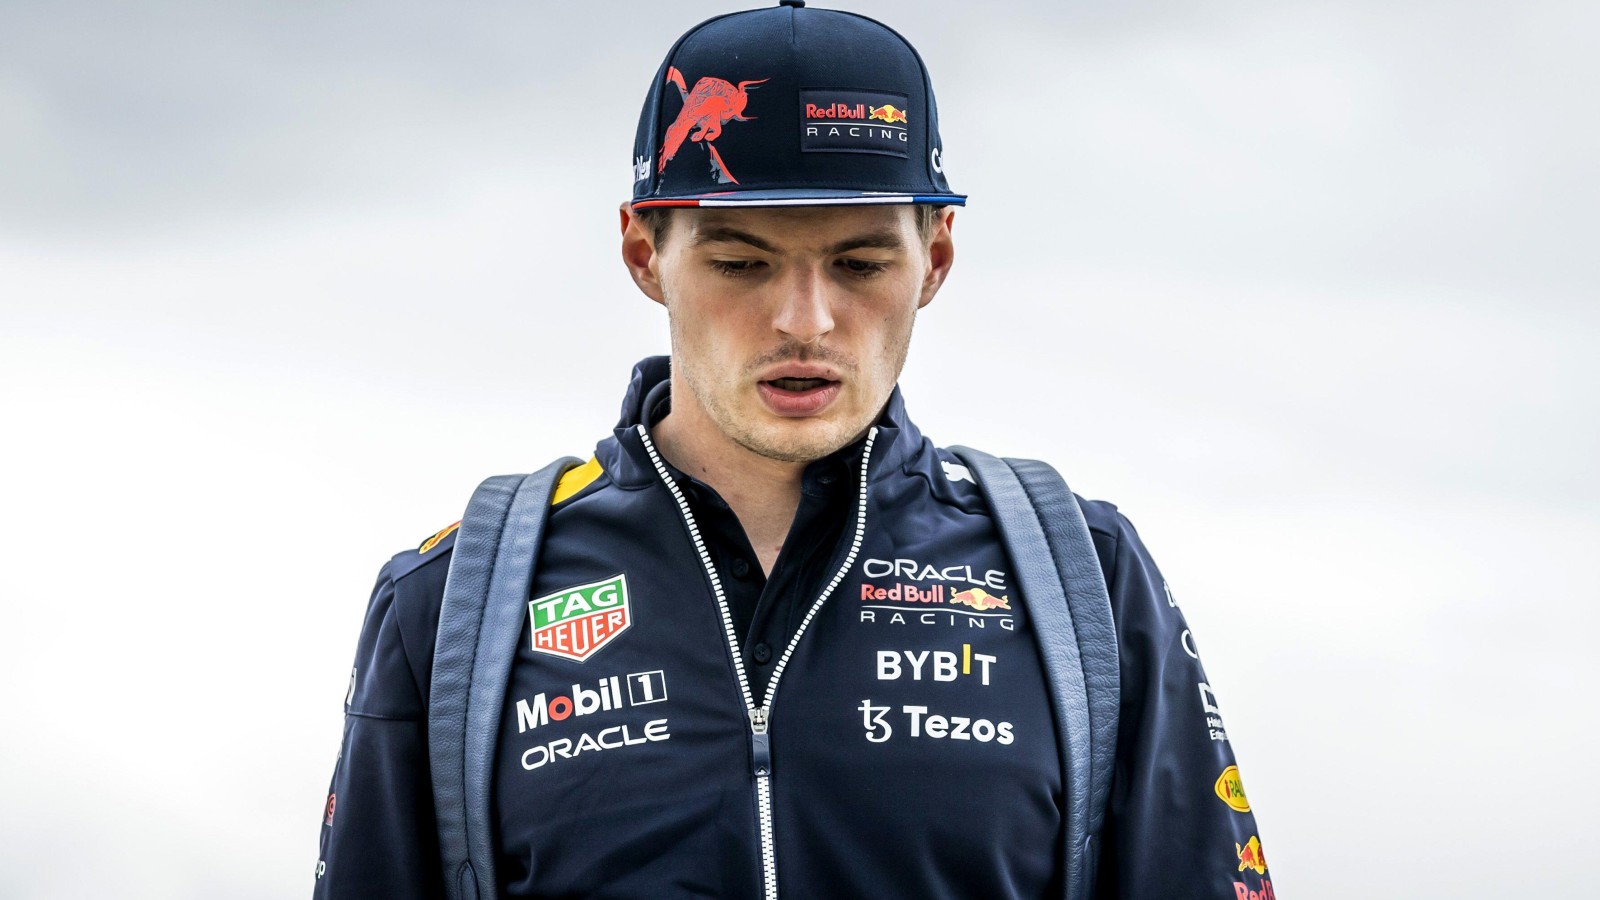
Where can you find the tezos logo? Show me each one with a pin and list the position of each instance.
(920, 723)
(576, 622)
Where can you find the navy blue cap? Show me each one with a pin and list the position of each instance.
(790, 106)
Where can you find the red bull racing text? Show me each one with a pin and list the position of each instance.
(838, 121)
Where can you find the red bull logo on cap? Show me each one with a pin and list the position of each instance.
(850, 121)
(713, 103)
(887, 113)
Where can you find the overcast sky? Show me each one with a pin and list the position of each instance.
(1307, 288)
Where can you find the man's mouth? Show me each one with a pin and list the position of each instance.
(798, 385)
(794, 396)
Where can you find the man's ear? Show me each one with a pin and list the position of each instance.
(941, 255)
(639, 254)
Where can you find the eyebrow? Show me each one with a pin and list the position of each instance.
(720, 234)
(723, 234)
(875, 240)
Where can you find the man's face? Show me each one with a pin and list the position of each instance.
(790, 326)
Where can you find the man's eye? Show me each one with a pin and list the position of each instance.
(864, 267)
(735, 267)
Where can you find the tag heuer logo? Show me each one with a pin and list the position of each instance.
(576, 622)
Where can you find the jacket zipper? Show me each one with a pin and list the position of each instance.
(760, 716)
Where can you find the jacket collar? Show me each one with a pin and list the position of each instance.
(649, 398)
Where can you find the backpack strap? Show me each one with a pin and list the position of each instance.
(1044, 531)
(480, 623)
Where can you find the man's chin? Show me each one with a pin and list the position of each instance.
(790, 439)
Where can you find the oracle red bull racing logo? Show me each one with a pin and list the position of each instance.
(958, 595)
(577, 622)
(713, 103)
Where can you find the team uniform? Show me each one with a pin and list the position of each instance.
(910, 743)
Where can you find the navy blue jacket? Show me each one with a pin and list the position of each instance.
(911, 746)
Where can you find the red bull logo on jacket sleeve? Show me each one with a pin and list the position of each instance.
(1251, 857)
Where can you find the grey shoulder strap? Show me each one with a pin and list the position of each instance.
(480, 623)
(1058, 570)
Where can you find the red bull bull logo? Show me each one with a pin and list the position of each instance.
(979, 599)
(712, 104)
(887, 113)
(1251, 857)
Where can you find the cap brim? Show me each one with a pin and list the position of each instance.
(799, 197)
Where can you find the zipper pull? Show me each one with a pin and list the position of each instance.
(760, 749)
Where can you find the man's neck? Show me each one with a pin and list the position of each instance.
(762, 492)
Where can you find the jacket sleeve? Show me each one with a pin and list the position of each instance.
(1178, 823)
(378, 835)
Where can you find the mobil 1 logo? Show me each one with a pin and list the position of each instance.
(606, 695)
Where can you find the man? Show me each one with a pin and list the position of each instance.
(773, 645)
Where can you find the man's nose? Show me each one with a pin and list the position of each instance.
(805, 309)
